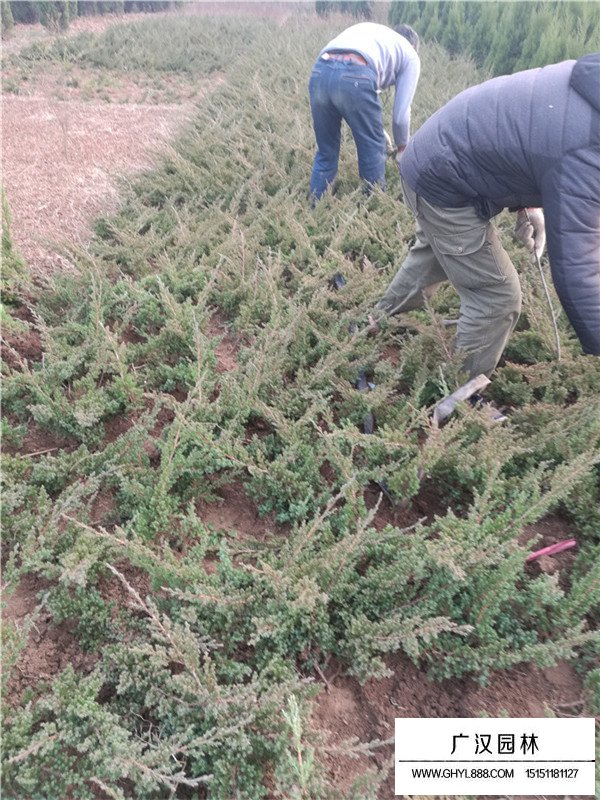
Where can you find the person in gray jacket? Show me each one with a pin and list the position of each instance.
(525, 142)
(345, 84)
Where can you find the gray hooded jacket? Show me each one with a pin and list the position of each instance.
(531, 139)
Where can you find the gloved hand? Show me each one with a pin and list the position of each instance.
(530, 229)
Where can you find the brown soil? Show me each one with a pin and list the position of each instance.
(423, 508)
(48, 648)
(348, 709)
(228, 346)
(547, 531)
(20, 348)
(21, 343)
(235, 512)
(103, 510)
(113, 589)
(62, 155)
(38, 441)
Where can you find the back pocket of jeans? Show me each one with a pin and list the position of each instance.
(364, 81)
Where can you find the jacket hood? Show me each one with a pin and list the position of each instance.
(585, 79)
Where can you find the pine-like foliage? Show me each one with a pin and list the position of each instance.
(57, 14)
(361, 9)
(505, 37)
(203, 636)
(13, 268)
(6, 17)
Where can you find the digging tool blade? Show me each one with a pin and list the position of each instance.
(446, 406)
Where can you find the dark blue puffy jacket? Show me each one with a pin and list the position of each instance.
(528, 139)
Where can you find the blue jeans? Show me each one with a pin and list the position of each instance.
(344, 90)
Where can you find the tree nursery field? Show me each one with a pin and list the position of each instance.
(216, 584)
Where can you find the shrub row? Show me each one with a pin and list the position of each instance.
(505, 37)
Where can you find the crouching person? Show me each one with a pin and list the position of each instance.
(525, 142)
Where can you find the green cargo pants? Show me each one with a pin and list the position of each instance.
(455, 244)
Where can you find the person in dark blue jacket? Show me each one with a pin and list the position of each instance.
(526, 142)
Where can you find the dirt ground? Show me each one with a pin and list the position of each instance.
(348, 709)
(66, 136)
(63, 151)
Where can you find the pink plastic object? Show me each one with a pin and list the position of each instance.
(566, 544)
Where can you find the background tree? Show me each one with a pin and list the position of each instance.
(58, 13)
(25, 11)
(484, 29)
(54, 14)
(361, 9)
(505, 37)
(455, 33)
(6, 16)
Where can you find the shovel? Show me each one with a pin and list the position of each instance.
(446, 406)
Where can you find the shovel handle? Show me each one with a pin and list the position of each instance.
(446, 406)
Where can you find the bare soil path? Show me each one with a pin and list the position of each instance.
(61, 154)
(61, 160)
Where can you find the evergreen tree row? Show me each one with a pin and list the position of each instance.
(361, 9)
(58, 13)
(505, 37)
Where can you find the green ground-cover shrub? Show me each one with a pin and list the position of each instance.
(194, 45)
(13, 268)
(193, 672)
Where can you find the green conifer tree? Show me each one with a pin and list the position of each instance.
(513, 25)
(7, 17)
(54, 14)
(552, 44)
(322, 7)
(483, 31)
(454, 37)
(86, 8)
(430, 21)
(361, 9)
(405, 11)
(26, 11)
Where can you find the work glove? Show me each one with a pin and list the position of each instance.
(530, 229)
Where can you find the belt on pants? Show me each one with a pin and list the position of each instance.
(355, 58)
